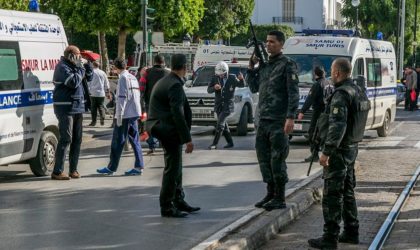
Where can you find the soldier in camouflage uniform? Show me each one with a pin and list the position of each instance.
(277, 84)
(346, 115)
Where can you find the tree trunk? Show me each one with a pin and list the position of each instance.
(122, 37)
(104, 52)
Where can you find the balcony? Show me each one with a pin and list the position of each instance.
(283, 19)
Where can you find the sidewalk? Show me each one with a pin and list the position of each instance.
(383, 174)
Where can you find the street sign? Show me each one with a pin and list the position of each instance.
(157, 38)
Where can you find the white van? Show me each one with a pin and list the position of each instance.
(30, 47)
(214, 53)
(371, 59)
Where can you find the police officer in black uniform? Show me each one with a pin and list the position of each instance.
(341, 129)
(223, 85)
(316, 100)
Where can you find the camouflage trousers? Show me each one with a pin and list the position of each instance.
(338, 202)
(272, 146)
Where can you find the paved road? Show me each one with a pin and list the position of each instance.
(387, 164)
(121, 212)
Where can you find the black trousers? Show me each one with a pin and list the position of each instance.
(97, 103)
(172, 174)
(71, 131)
(409, 105)
(221, 121)
(339, 202)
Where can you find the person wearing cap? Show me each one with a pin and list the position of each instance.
(223, 86)
(127, 112)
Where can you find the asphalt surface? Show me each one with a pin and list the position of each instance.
(120, 212)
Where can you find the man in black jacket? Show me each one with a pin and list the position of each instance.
(223, 85)
(317, 101)
(152, 76)
(69, 106)
(170, 121)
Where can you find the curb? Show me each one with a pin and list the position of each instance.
(261, 229)
(259, 226)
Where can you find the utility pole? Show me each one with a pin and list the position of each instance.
(144, 27)
(415, 35)
(401, 45)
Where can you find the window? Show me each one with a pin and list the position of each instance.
(359, 68)
(288, 10)
(307, 63)
(206, 73)
(373, 66)
(10, 73)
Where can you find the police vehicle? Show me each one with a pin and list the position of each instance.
(202, 103)
(373, 62)
(30, 48)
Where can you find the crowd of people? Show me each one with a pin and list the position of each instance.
(340, 120)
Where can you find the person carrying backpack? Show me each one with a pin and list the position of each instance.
(317, 98)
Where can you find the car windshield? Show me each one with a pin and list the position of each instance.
(307, 63)
(204, 74)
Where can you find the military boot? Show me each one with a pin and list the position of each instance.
(323, 243)
(228, 138)
(352, 238)
(215, 140)
(279, 199)
(268, 196)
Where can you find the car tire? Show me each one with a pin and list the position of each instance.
(44, 161)
(242, 129)
(384, 129)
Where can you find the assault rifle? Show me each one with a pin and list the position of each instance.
(259, 46)
(316, 147)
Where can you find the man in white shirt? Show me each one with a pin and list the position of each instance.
(127, 112)
(98, 88)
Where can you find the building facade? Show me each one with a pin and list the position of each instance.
(299, 14)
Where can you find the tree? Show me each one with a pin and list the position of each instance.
(176, 18)
(225, 19)
(382, 15)
(123, 16)
(14, 4)
(261, 32)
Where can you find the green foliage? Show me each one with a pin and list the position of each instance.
(382, 15)
(176, 18)
(261, 32)
(225, 19)
(14, 5)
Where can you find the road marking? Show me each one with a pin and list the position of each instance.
(216, 237)
(417, 145)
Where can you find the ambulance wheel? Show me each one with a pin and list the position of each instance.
(384, 130)
(43, 163)
(242, 128)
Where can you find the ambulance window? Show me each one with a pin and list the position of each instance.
(359, 68)
(10, 75)
(374, 78)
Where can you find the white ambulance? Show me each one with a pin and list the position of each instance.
(214, 53)
(372, 60)
(30, 47)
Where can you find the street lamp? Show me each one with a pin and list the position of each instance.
(356, 4)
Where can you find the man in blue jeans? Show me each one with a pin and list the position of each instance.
(69, 106)
(127, 112)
